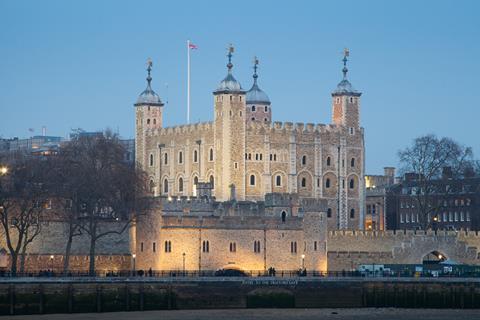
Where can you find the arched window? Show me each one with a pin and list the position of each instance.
(165, 158)
(278, 181)
(352, 162)
(212, 182)
(329, 212)
(148, 121)
(180, 157)
(195, 156)
(253, 118)
(180, 184)
(328, 161)
(304, 182)
(352, 213)
(195, 180)
(253, 108)
(327, 183)
(266, 109)
(304, 160)
(154, 121)
(152, 186)
(352, 183)
(211, 154)
(252, 180)
(284, 216)
(151, 160)
(249, 156)
(165, 186)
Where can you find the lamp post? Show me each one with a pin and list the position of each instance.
(134, 256)
(3, 170)
(183, 254)
(51, 262)
(303, 261)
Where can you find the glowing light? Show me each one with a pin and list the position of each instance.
(440, 256)
(303, 256)
(134, 256)
(3, 170)
(51, 257)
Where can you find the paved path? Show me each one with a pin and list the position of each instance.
(270, 314)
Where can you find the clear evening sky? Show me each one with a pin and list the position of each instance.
(81, 64)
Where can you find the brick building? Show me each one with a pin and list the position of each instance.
(454, 205)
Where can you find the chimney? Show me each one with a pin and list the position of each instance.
(44, 131)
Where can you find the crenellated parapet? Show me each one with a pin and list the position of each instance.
(190, 129)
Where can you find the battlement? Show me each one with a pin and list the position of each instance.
(396, 234)
(298, 127)
(181, 129)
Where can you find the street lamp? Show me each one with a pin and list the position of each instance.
(183, 254)
(134, 256)
(303, 261)
(51, 261)
(3, 170)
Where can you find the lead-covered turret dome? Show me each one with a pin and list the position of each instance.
(256, 95)
(148, 96)
(229, 84)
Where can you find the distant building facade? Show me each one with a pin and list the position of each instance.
(456, 204)
(375, 195)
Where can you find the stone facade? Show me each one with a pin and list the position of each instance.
(245, 156)
(284, 232)
(349, 249)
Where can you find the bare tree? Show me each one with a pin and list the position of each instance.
(23, 198)
(427, 158)
(101, 188)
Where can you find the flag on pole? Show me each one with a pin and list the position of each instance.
(192, 46)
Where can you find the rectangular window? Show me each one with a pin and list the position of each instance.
(315, 245)
(141, 246)
(407, 218)
(468, 215)
(401, 217)
(445, 217)
(462, 216)
(456, 216)
(450, 216)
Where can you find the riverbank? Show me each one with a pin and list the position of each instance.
(270, 314)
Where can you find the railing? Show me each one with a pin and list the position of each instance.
(238, 273)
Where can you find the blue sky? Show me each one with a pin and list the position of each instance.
(81, 64)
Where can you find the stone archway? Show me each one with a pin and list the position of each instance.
(434, 257)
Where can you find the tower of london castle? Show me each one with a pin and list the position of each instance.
(243, 155)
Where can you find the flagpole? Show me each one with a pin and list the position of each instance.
(188, 81)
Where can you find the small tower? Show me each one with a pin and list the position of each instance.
(148, 114)
(229, 124)
(346, 101)
(258, 103)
